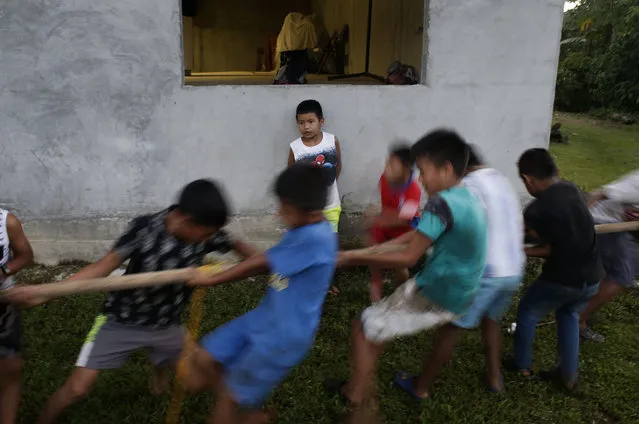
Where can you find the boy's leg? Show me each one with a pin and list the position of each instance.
(491, 330)
(107, 346)
(404, 312)
(376, 236)
(10, 388)
(540, 299)
(448, 335)
(75, 388)
(491, 333)
(166, 346)
(204, 372)
(364, 356)
(618, 254)
(608, 290)
(568, 335)
(440, 355)
(245, 372)
(332, 216)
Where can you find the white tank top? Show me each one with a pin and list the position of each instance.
(324, 155)
(5, 251)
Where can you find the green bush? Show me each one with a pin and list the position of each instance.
(572, 92)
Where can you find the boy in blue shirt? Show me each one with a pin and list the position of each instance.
(245, 359)
(453, 224)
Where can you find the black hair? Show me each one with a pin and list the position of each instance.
(537, 163)
(303, 186)
(474, 158)
(402, 152)
(309, 106)
(441, 146)
(203, 202)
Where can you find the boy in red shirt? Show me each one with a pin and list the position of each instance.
(400, 196)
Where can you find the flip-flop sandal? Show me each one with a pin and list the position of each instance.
(405, 381)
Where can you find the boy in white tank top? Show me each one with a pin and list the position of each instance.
(15, 254)
(322, 150)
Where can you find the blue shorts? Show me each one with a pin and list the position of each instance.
(491, 301)
(254, 363)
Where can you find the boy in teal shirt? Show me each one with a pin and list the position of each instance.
(454, 225)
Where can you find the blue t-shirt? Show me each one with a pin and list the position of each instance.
(302, 266)
(456, 223)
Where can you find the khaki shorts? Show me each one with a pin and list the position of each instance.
(403, 313)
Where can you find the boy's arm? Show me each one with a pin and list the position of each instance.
(102, 268)
(623, 190)
(122, 250)
(28, 295)
(254, 265)
(538, 251)
(338, 152)
(244, 249)
(20, 247)
(291, 157)
(418, 243)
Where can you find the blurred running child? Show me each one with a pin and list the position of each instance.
(614, 202)
(248, 357)
(400, 195)
(453, 223)
(146, 318)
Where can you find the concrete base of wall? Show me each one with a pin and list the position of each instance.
(88, 239)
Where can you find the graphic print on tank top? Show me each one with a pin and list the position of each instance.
(326, 158)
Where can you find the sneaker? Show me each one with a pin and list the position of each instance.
(588, 333)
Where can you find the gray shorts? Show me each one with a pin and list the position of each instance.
(619, 257)
(109, 344)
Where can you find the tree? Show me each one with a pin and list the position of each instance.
(599, 60)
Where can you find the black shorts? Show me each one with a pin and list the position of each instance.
(10, 331)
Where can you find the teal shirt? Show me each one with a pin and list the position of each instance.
(456, 223)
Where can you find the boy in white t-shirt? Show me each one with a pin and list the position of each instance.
(502, 276)
(320, 149)
(614, 202)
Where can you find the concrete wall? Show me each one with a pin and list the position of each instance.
(227, 34)
(96, 125)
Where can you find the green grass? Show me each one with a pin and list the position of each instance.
(597, 153)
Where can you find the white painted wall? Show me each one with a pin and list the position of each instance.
(96, 125)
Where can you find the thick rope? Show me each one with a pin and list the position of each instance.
(196, 309)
